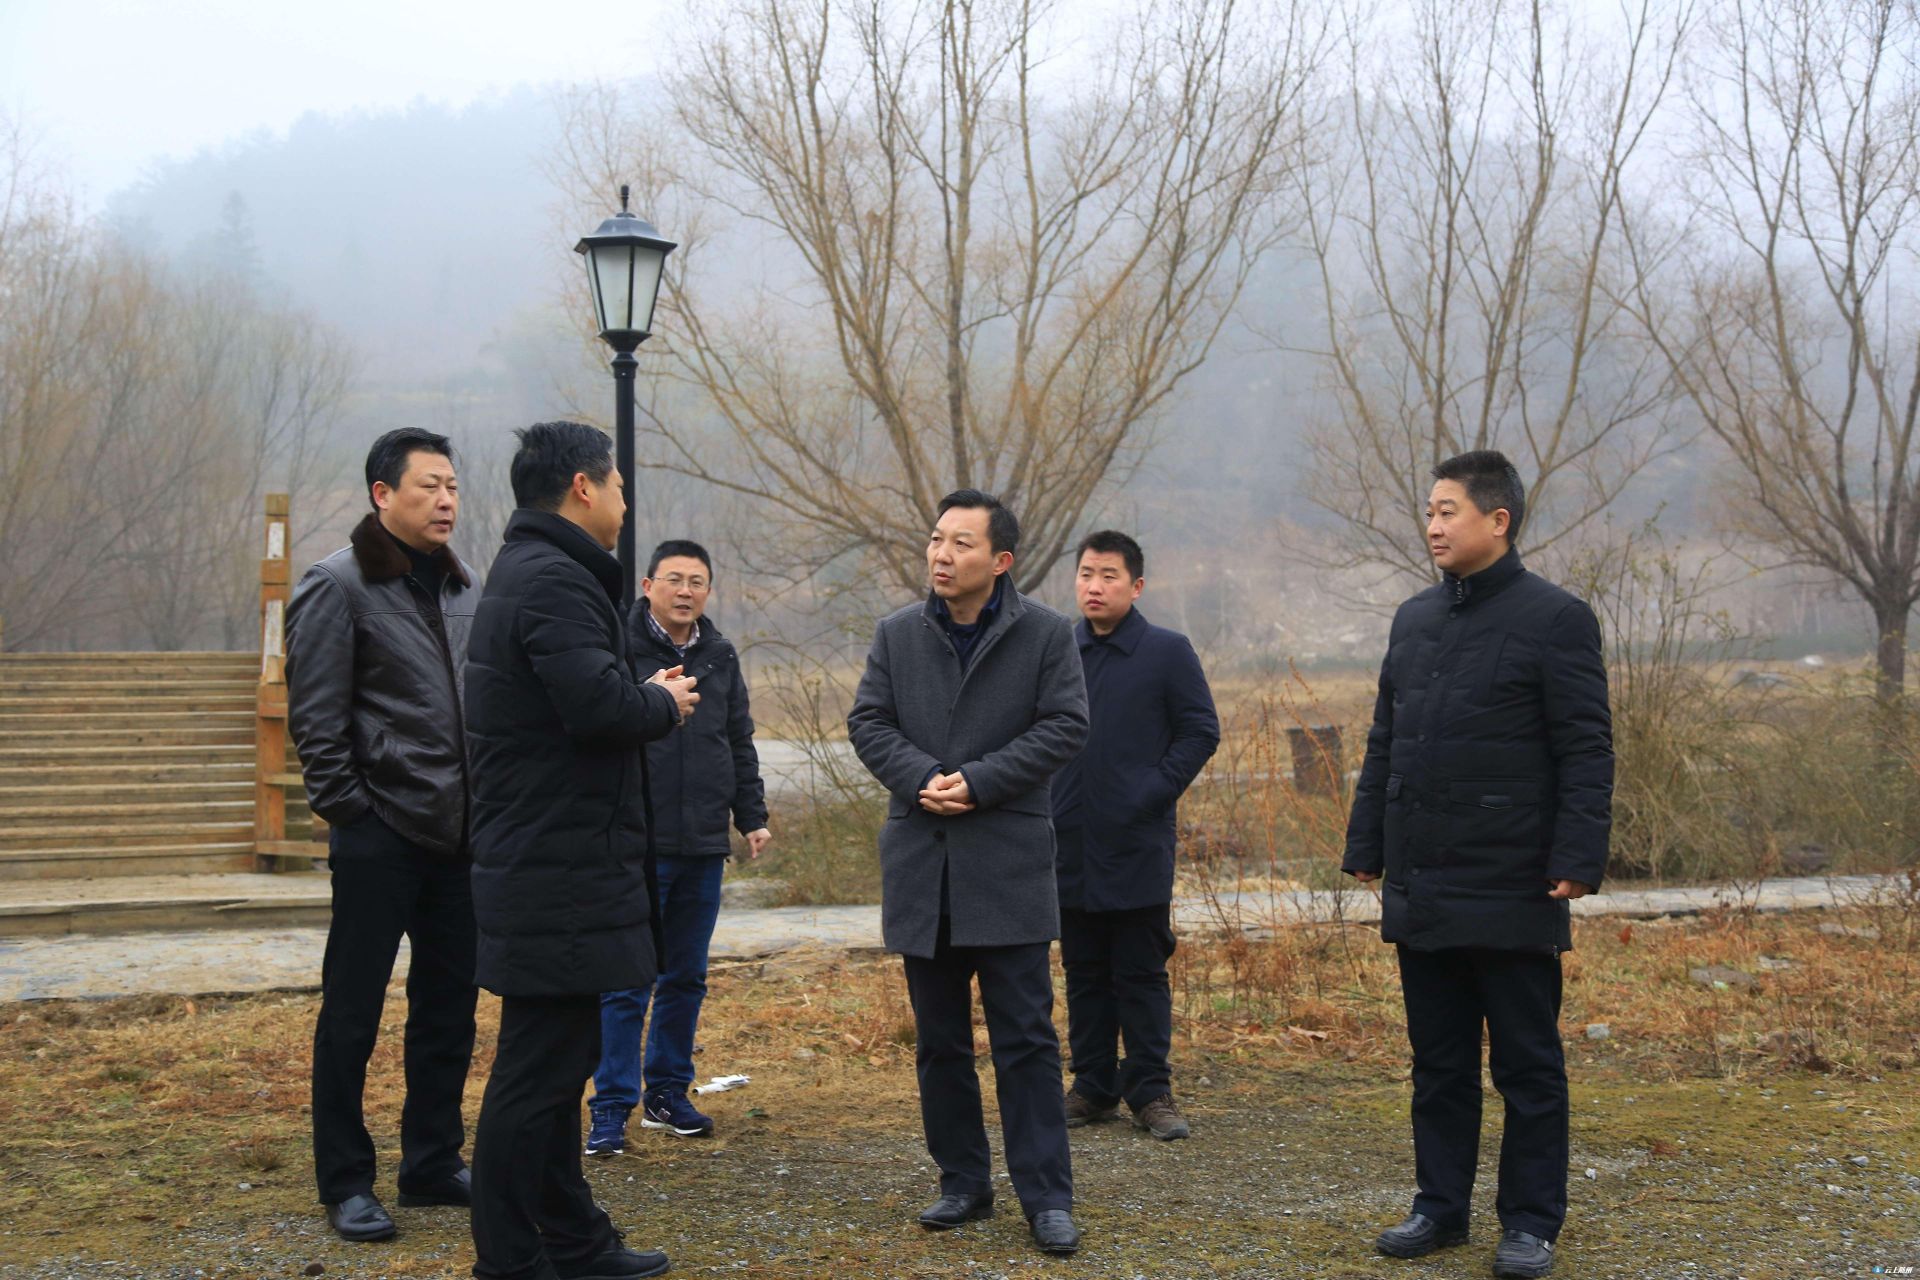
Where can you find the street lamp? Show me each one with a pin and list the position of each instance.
(624, 261)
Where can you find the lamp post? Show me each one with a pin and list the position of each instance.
(624, 260)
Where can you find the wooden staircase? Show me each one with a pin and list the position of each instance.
(131, 788)
(129, 764)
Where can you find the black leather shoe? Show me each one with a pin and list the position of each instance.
(360, 1218)
(457, 1190)
(1522, 1255)
(617, 1264)
(1417, 1237)
(1054, 1232)
(953, 1210)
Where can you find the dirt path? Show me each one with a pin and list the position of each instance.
(1289, 1174)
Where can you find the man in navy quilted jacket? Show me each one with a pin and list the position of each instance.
(1483, 807)
(1152, 730)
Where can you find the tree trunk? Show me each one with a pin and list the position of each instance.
(1890, 618)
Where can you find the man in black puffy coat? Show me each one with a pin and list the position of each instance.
(1483, 806)
(556, 724)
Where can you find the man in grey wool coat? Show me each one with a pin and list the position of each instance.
(971, 701)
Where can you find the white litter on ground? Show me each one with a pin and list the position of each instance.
(720, 1084)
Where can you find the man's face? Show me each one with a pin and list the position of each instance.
(678, 590)
(608, 510)
(1104, 588)
(1463, 538)
(960, 560)
(421, 511)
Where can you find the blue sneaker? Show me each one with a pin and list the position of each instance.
(608, 1136)
(669, 1109)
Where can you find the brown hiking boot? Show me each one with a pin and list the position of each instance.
(1162, 1119)
(1082, 1111)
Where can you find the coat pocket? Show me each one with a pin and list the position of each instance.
(1496, 832)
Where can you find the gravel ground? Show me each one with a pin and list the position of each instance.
(1289, 1174)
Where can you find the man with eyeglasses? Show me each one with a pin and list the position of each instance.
(699, 776)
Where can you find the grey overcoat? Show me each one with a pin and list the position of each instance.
(1009, 722)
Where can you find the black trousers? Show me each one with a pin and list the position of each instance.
(384, 886)
(1016, 993)
(531, 1203)
(1117, 989)
(1516, 994)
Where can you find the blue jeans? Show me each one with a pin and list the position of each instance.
(689, 905)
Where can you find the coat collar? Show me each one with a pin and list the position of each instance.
(1489, 582)
(529, 523)
(643, 610)
(1126, 637)
(382, 559)
(1002, 608)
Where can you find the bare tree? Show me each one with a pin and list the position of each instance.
(1791, 327)
(1468, 244)
(974, 272)
(143, 415)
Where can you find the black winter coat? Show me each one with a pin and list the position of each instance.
(556, 723)
(1153, 729)
(707, 769)
(1489, 767)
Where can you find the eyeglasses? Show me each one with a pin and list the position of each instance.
(677, 581)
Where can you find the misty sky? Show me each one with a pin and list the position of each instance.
(114, 85)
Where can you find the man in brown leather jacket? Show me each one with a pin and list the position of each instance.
(376, 651)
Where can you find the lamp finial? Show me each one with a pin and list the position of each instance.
(623, 197)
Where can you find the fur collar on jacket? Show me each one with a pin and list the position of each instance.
(382, 558)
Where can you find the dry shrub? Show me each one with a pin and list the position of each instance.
(827, 846)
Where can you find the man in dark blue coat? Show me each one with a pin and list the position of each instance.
(1484, 805)
(556, 724)
(1152, 729)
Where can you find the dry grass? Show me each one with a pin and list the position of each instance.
(145, 1117)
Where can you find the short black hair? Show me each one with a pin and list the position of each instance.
(1112, 542)
(679, 547)
(1003, 531)
(551, 454)
(387, 460)
(1491, 482)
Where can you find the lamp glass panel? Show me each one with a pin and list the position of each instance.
(613, 286)
(648, 263)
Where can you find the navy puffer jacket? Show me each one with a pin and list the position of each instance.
(1489, 767)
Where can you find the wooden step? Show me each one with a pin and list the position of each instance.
(198, 753)
(169, 735)
(33, 816)
(81, 712)
(66, 795)
(132, 771)
(130, 860)
(16, 720)
(130, 655)
(84, 835)
(87, 666)
(43, 906)
(178, 682)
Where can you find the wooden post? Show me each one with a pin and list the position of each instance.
(270, 719)
(1316, 758)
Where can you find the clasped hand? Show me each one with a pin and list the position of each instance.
(946, 794)
(680, 685)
